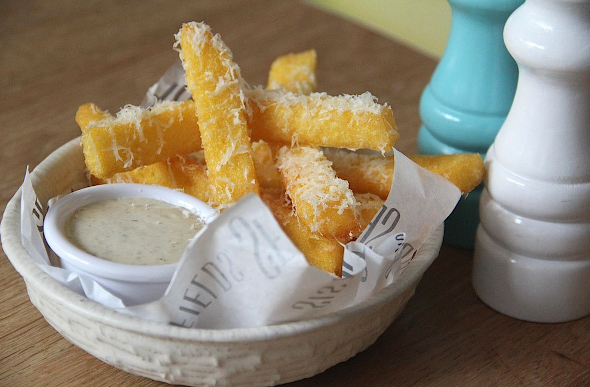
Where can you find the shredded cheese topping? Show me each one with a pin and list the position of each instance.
(310, 179)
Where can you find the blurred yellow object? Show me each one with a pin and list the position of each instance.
(421, 24)
(295, 72)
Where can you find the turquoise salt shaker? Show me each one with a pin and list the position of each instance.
(468, 97)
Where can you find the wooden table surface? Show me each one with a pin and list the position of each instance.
(58, 55)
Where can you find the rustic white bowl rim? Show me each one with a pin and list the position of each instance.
(51, 289)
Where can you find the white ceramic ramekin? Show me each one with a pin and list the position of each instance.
(133, 284)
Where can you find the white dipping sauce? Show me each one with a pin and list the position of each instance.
(137, 231)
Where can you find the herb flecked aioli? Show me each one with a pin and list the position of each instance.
(137, 231)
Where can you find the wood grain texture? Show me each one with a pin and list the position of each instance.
(58, 55)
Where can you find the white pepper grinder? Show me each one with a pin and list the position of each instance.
(532, 249)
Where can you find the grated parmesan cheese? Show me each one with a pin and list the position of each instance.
(321, 200)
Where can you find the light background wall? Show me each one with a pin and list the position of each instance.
(421, 24)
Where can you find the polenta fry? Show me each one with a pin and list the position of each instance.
(216, 86)
(137, 137)
(294, 72)
(154, 174)
(465, 170)
(373, 173)
(89, 113)
(190, 175)
(347, 121)
(321, 252)
(266, 170)
(369, 205)
(365, 172)
(322, 201)
(186, 173)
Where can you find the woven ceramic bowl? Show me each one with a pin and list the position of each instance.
(235, 357)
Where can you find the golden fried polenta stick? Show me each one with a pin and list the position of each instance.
(374, 173)
(154, 174)
(345, 121)
(137, 137)
(365, 172)
(465, 170)
(294, 72)
(190, 175)
(321, 252)
(369, 205)
(322, 201)
(185, 173)
(215, 83)
(89, 113)
(266, 170)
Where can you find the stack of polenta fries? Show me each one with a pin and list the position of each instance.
(287, 143)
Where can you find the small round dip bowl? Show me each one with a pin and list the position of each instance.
(133, 284)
